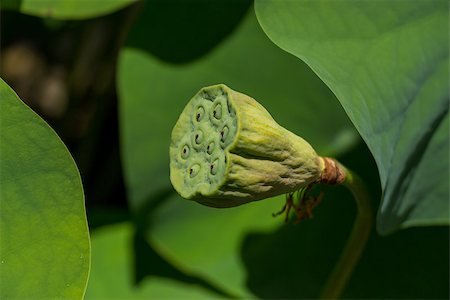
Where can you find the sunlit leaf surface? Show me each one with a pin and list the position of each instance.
(44, 236)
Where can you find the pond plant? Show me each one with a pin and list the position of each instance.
(100, 147)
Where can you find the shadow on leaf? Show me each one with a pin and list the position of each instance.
(179, 31)
(411, 263)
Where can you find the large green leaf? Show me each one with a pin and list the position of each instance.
(387, 63)
(153, 93)
(44, 236)
(66, 9)
(207, 241)
(295, 261)
(112, 274)
(175, 30)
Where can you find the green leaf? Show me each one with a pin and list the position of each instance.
(45, 249)
(175, 30)
(10, 4)
(295, 261)
(207, 242)
(112, 275)
(67, 9)
(152, 95)
(387, 63)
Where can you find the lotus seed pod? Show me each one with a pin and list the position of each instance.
(227, 150)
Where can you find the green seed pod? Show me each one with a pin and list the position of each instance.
(227, 150)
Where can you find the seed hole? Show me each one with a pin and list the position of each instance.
(228, 107)
(198, 138)
(217, 112)
(213, 167)
(210, 148)
(185, 151)
(200, 113)
(193, 170)
(208, 96)
(224, 133)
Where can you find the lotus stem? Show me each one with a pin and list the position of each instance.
(357, 240)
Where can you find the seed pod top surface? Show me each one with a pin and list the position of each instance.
(227, 150)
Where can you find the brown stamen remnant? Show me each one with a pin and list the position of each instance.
(306, 206)
(333, 173)
(286, 207)
(303, 209)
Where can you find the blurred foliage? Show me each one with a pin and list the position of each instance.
(182, 31)
(112, 273)
(166, 247)
(65, 10)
